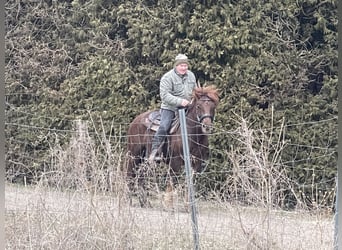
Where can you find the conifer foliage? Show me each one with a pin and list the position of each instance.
(274, 62)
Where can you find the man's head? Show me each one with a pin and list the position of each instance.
(181, 63)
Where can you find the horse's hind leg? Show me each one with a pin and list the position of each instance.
(142, 190)
(137, 173)
(131, 171)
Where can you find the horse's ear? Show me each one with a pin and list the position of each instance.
(198, 84)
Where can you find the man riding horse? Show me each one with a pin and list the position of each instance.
(175, 88)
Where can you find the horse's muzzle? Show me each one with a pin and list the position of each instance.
(207, 127)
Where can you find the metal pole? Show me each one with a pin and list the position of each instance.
(336, 240)
(187, 162)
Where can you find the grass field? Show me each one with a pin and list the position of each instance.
(43, 218)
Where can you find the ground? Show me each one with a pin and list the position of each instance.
(42, 218)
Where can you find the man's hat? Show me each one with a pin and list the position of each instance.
(181, 58)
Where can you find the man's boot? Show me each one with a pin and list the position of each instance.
(154, 157)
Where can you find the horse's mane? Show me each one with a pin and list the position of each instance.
(210, 91)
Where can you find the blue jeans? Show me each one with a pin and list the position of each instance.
(166, 117)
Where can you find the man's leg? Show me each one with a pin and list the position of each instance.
(166, 118)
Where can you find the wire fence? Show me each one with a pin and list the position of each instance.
(81, 198)
(46, 133)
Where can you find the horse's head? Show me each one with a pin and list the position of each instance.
(205, 100)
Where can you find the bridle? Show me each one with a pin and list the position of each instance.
(201, 117)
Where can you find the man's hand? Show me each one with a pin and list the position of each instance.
(185, 103)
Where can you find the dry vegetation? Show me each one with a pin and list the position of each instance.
(41, 218)
(78, 206)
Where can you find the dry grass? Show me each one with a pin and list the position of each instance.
(39, 218)
(82, 203)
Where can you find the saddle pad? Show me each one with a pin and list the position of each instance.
(152, 122)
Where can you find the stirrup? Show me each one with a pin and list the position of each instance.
(154, 157)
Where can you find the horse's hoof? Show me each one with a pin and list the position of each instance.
(170, 210)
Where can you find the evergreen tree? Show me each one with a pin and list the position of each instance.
(272, 61)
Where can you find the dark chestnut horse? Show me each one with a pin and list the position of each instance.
(199, 118)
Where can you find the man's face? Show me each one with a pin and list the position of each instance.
(182, 68)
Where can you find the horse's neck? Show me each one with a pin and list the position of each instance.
(192, 118)
(194, 127)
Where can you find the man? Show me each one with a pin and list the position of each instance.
(175, 91)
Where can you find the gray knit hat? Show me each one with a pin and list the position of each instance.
(181, 58)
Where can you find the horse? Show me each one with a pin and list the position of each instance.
(200, 115)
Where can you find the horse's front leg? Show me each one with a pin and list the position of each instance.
(168, 200)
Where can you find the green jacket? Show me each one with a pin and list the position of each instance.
(174, 88)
